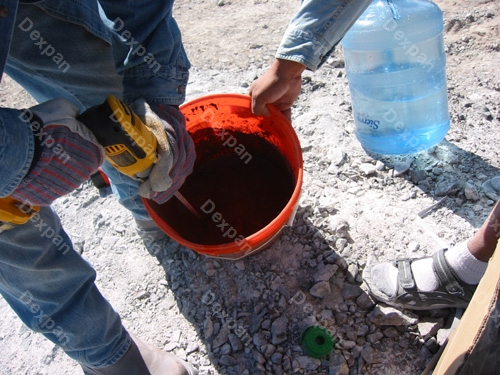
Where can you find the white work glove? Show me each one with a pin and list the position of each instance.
(176, 153)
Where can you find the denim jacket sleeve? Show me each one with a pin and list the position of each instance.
(150, 53)
(17, 146)
(317, 28)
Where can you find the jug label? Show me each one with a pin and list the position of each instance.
(364, 119)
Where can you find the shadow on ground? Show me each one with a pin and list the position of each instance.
(250, 313)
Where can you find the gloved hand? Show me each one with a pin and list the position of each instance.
(176, 152)
(66, 153)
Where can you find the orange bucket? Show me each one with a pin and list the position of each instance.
(224, 128)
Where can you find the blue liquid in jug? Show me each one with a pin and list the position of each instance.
(402, 118)
(395, 64)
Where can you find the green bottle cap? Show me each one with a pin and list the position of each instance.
(317, 341)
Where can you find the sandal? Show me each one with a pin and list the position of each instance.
(451, 292)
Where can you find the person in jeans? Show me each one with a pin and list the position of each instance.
(448, 278)
(70, 55)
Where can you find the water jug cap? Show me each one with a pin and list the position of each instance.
(317, 341)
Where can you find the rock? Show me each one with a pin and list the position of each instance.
(437, 171)
(221, 338)
(374, 337)
(404, 342)
(278, 330)
(340, 244)
(389, 316)
(471, 192)
(240, 264)
(491, 188)
(192, 347)
(208, 327)
(417, 175)
(401, 167)
(227, 360)
(287, 364)
(347, 344)
(325, 272)
(351, 291)
(259, 358)
(268, 350)
(432, 345)
(336, 156)
(368, 169)
(235, 342)
(370, 355)
(108, 242)
(448, 188)
(365, 301)
(352, 272)
(413, 246)
(341, 318)
(390, 332)
(339, 226)
(337, 365)
(277, 358)
(379, 166)
(142, 295)
(225, 349)
(259, 339)
(429, 326)
(306, 363)
(321, 289)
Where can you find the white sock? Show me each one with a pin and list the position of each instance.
(468, 268)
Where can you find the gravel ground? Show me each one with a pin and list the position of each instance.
(245, 317)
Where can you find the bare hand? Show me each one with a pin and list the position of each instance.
(280, 86)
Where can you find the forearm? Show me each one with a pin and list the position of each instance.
(16, 149)
(317, 28)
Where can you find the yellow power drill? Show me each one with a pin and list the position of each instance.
(129, 145)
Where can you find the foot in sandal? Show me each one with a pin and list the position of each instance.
(448, 279)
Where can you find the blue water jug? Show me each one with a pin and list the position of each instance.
(395, 64)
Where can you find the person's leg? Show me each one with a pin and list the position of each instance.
(39, 276)
(393, 283)
(51, 288)
(483, 244)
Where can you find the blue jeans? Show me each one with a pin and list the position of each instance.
(50, 286)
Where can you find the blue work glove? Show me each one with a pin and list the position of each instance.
(176, 152)
(66, 153)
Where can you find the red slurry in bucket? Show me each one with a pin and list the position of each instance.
(235, 198)
(246, 182)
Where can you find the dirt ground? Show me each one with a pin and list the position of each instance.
(353, 207)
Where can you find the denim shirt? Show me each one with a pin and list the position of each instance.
(317, 28)
(149, 55)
